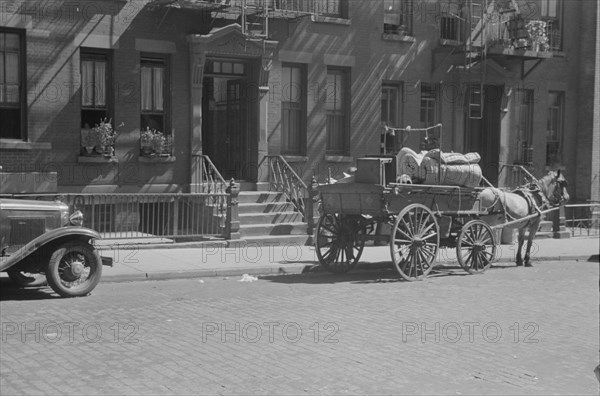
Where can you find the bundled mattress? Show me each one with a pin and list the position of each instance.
(456, 169)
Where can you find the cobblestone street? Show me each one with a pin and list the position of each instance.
(509, 331)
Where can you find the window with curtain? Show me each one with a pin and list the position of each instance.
(336, 108)
(12, 90)
(554, 132)
(293, 109)
(397, 17)
(154, 88)
(524, 117)
(95, 87)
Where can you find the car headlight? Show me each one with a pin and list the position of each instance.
(76, 218)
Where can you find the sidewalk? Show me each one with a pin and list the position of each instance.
(235, 258)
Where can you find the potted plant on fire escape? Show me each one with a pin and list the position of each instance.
(536, 30)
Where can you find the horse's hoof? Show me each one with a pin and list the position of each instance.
(519, 264)
(528, 265)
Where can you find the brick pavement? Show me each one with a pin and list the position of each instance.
(363, 333)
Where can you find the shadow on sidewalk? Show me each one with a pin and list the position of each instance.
(11, 292)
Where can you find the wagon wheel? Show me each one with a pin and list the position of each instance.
(476, 247)
(414, 242)
(339, 242)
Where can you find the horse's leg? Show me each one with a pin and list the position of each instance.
(532, 231)
(520, 241)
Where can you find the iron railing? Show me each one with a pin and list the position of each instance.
(143, 215)
(283, 178)
(207, 178)
(583, 219)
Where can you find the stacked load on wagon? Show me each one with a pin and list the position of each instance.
(424, 168)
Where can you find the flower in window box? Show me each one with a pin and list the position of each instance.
(152, 142)
(105, 136)
(159, 142)
(146, 139)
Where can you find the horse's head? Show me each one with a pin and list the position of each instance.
(554, 186)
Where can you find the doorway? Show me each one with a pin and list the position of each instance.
(225, 120)
(482, 134)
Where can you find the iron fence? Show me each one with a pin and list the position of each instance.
(583, 219)
(143, 215)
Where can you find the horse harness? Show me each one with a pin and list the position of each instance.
(532, 193)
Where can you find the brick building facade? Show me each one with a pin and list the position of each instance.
(315, 86)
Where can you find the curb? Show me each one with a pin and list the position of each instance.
(290, 269)
(293, 269)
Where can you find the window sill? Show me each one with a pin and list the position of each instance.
(97, 159)
(338, 158)
(15, 144)
(295, 158)
(156, 159)
(332, 20)
(398, 37)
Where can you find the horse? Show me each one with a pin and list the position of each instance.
(548, 192)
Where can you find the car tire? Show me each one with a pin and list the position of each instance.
(74, 269)
(27, 279)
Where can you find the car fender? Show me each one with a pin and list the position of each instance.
(74, 232)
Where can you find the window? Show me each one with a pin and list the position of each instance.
(429, 115)
(95, 87)
(331, 8)
(391, 95)
(554, 133)
(154, 89)
(293, 109)
(551, 13)
(397, 17)
(524, 117)
(336, 107)
(12, 84)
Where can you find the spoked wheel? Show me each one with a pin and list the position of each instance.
(74, 269)
(339, 242)
(414, 242)
(476, 247)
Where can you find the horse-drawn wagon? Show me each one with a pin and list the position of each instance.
(421, 218)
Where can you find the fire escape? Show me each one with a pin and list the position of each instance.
(481, 34)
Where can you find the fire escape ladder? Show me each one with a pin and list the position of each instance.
(255, 18)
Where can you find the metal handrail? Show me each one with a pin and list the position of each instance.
(211, 180)
(284, 179)
(577, 219)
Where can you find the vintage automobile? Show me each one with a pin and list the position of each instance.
(40, 241)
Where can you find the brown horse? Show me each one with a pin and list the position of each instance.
(548, 192)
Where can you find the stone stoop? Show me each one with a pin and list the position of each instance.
(266, 216)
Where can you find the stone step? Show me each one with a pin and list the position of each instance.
(266, 207)
(545, 226)
(295, 228)
(260, 197)
(270, 217)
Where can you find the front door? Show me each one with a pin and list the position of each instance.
(224, 125)
(483, 134)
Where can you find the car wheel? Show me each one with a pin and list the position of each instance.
(74, 269)
(27, 279)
